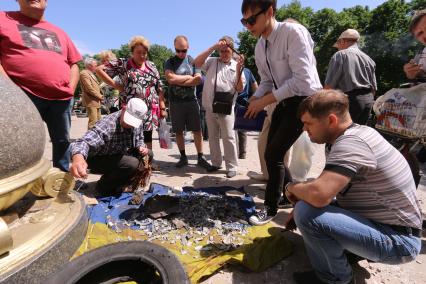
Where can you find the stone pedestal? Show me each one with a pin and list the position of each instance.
(46, 233)
(22, 135)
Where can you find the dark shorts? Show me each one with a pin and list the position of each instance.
(185, 116)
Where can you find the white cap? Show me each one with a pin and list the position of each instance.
(135, 111)
(348, 34)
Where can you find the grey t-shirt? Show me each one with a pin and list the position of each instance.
(382, 187)
(181, 67)
(351, 69)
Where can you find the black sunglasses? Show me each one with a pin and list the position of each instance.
(181, 50)
(252, 19)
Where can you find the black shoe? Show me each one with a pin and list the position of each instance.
(261, 217)
(183, 161)
(213, 169)
(202, 162)
(284, 203)
(307, 277)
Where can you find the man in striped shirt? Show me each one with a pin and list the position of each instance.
(364, 202)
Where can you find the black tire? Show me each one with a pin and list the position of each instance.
(139, 261)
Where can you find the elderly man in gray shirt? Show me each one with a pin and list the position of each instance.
(286, 65)
(353, 72)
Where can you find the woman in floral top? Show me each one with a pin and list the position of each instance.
(139, 78)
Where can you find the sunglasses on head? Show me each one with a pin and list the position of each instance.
(181, 50)
(252, 19)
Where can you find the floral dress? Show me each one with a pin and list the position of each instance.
(139, 83)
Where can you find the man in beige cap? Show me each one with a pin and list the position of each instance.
(353, 72)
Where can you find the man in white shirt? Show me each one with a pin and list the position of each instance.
(287, 67)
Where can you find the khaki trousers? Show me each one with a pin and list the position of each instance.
(94, 114)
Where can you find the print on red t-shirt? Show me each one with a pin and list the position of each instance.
(40, 38)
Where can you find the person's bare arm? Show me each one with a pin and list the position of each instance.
(319, 192)
(194, 81)
(75, 76)
(175, 79)
(107, 79)
(202, 57)
(240, 65)
(254, 87)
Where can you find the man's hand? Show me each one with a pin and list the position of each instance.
(412, 70)
(289, 223)
(143, 150)
(252, 98)
(78, 167)
(255, 106)
(220, 44)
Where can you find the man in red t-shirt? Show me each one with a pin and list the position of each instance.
(42, 60)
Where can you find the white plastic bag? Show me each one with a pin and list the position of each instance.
(164, 135)
(301, 157)
(402, 111)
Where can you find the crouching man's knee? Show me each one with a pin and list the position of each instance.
(305, 214)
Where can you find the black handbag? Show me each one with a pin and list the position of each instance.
(222, 101)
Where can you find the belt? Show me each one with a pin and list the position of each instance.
(359, 92)
(292, 100)
(407, 230)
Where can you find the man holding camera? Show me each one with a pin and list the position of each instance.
(224, 79)
(416, 68)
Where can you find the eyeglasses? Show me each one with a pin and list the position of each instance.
(181, 50)
(252, 19)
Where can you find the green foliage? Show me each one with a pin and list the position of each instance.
(384, 31)
(159, 54)
(418, 4)
(247, 43)
(295, 11)
(123, 51)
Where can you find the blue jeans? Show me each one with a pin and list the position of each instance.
(57, 115)
(329, 231)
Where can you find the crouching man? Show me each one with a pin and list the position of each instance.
(113, 147)
(364, 202)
